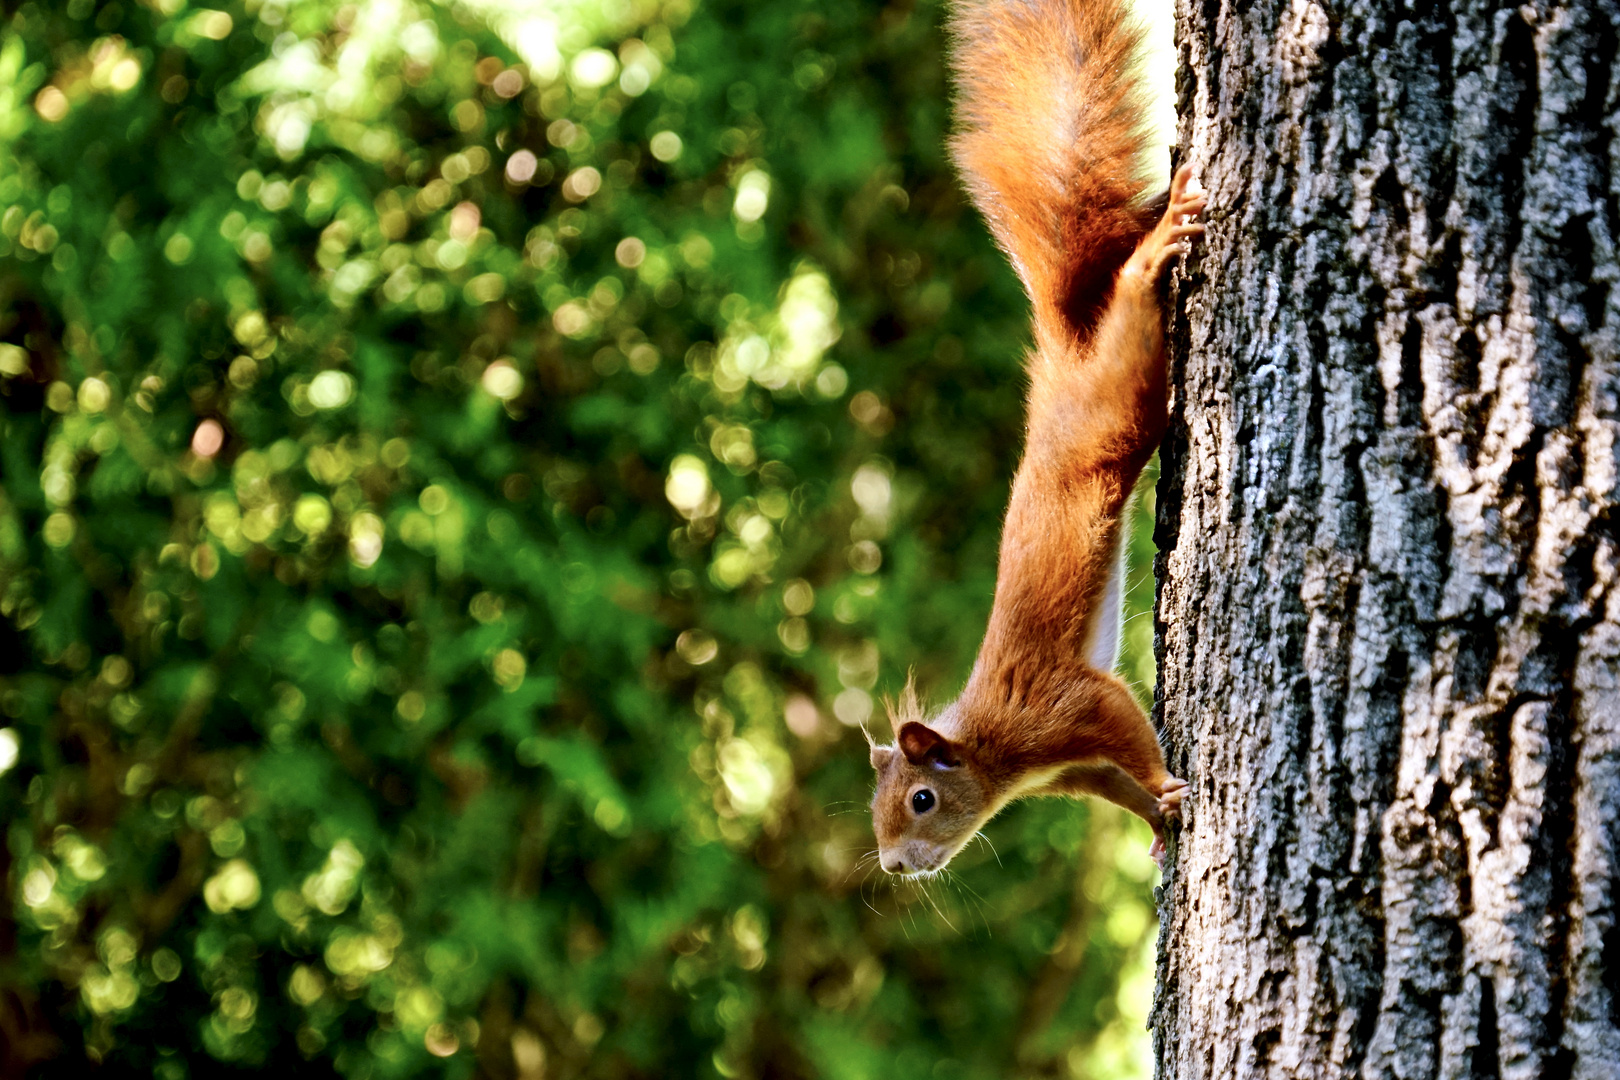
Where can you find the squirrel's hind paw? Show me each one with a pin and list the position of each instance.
(1187, 195)
(1171, 237)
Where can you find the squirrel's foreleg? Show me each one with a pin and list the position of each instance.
(1116, 755)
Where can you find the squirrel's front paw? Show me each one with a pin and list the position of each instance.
(1170, 795)
(1171, 792)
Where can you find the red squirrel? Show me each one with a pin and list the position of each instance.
(1051, 147)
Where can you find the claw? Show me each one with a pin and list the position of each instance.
(1170, 795)
(1171, 792)
(1184, 184)
(1170, 238)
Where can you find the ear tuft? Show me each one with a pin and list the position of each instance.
(881, 756)
(906, 708)
(922, 745)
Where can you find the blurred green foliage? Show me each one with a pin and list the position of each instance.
(468, 470)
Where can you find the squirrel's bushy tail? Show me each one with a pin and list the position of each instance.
(1051, 143)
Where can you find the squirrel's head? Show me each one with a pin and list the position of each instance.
(929, 801)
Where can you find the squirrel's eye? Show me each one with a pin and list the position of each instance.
(922, 801)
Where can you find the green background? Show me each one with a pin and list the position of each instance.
(467, 472)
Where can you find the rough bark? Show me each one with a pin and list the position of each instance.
(1388, 623)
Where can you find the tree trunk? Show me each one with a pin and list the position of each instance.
(1388, 621)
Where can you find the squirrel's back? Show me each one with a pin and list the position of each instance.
(1052, 145)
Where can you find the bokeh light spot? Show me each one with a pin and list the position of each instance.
(502, 380)
(51, 104)
(331, 390)
(666, 146)
(208, 439)
(593, 68)
(630, 253)
(520, 167)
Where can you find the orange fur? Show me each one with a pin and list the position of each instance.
(1050, 143)
(1050, 147)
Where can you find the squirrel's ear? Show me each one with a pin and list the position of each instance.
(881, 756)
(923, 745)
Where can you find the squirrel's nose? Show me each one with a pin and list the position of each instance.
(894, 864)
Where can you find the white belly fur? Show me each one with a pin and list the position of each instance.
(1102, 644)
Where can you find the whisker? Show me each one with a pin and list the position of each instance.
(866, 853)
(862, 861)
(961, 882)
(861, 890)
(934, 903)
(905, 916)
(975, 901)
